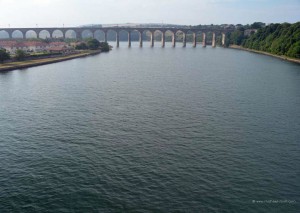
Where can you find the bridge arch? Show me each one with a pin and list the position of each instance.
(87, 34)
(199, 36)
(99, 35)
(4, 34)
(148, 35)
(31, 34)
(160, 35)
(57, 34)
(44, 34)
(170, 37)
(113, 35)
(137, 35)
(70, 34)
(191, 37)
(180, 35)
(17, 34)
(125, 35)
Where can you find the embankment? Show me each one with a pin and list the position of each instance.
(38, 62)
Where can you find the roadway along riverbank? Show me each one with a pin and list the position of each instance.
(38, 62)
(266, 53)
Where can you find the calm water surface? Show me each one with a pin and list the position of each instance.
(152, 130)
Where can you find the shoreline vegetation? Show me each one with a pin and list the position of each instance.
(237, 47)
(277, 40)
(25, 56)
(9, 66)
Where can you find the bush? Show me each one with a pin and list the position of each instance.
(104, 46)
(20, 55)
(4, 55)
(81, 46)
(93, 44)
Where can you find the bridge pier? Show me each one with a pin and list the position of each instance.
(105, 36)
(141, 39)
(194, 39)
(223, 39)
(203, 39)
(163, 39)
(118, 38)
(213, 43)
(184, 40)
(129, 38)
(152, 39)
(174, 40)
(78, 35)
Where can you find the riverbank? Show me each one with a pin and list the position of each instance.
(265, 53)
(38, 62)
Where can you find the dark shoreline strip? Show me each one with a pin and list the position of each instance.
(55, 60)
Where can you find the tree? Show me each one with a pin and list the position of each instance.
(20, 55)
(236, 37)
(104, 46)
(93, 44)
(81, 46)
(294, 51)
(4, 55)
(257, 25)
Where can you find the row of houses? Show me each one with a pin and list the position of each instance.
(33, 46)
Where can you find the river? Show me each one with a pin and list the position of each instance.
(152, 130)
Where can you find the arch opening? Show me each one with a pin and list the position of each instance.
(169, 35)
(70, 34)
(158, 35)
(57, 34)
(146, 36)
(189, 37)
(123, 38)
(208, 38)
(135, 35)
(99, 35)
(87, 34)
(30, 34)
(44, 34)
(4, 34)
(17, 34)
(123, 35)
(111, 35)
(199, 36)
(179, 36)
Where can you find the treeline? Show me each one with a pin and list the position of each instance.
(279, 39)
(92, 44)
(19, 55)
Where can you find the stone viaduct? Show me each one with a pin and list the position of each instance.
(92, 30)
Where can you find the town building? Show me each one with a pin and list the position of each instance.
(31, 46)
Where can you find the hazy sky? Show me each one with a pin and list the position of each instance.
(47, 13)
